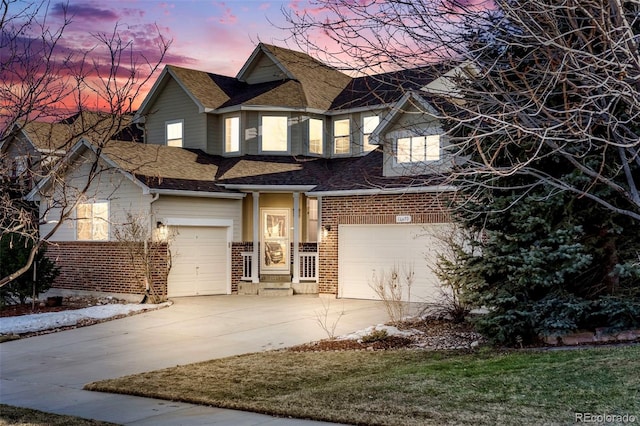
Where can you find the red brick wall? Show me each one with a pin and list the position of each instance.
(370, 209)
(105, 267)
(236, 262)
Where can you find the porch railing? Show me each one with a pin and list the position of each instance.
(247, 265)
(308, 266)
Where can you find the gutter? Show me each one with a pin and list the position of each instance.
(269, 188)
(383, 191)
(198, 194)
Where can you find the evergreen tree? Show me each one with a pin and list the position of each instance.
(556, 254)
(14, 250)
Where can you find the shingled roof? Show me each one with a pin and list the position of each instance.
(172, 168)
(61, 135)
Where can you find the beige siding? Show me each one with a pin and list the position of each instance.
(265, 70)
(123, 196)
(173, 103)
(413, 122)
(200, 208)
(274, 200)
(215, 137)
(249, 123)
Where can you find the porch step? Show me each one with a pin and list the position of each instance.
(265, 289)
(275, 278)
(275, 289)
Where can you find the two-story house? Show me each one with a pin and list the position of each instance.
(291, 175)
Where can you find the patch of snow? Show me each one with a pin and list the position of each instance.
(50, 320)
(391, 331)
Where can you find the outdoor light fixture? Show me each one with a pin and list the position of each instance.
(325, 230)
(158, 225)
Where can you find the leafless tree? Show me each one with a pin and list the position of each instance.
(561, 77)
(42, 81)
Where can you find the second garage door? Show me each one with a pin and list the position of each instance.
(199, 257)
(368, 252)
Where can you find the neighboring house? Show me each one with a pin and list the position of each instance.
(292, 174)
(35, 146)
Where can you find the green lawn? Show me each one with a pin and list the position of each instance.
(407, 387)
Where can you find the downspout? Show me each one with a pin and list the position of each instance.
(147, 285)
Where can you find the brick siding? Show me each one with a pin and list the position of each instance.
(105, 267)
(370, 209)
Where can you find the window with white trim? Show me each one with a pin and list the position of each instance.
(231, 134)
(312, 219)
(92, 221)
(316, 136)
(369, 124)
(274, 133)
(174, 133)
(341, 136)
(418, 149)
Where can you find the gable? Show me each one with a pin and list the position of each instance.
(263, 69)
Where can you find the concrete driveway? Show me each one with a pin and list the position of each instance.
(48, 372)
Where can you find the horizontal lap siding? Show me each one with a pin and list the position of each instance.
(173, 103)
(201, 208)
(374, 209)
(124, 197)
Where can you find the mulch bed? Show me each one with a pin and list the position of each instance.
(428, 334)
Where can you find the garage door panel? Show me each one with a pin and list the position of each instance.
(369, 253)
(199, 261)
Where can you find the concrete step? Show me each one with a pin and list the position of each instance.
(272, 278)
(275, 292)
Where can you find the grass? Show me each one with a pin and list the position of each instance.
(407, 387)
(10, 415)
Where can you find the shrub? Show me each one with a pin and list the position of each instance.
(14, 252)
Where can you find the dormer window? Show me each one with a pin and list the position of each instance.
(418, 149)
(369, 124)
(341, 137)
(174, 133)
(231, 134)
(274, 133)
(316, 136)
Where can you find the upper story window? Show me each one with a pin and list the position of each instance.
(274, 133)
(418, 149)
(316, 136)
(341, 136)
(92, 221)
(369, 124)
(174, 132)
(232, 134)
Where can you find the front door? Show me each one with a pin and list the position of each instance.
(274, 256)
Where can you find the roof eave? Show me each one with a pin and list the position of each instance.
(268, 188)
(197, 194)
(383, 191)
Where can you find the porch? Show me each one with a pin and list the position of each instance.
(250, 279)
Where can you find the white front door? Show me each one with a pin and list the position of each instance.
(274, 241)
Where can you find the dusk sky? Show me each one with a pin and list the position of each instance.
(210, 35)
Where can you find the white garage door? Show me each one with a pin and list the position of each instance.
(199, 257)
(367, 253)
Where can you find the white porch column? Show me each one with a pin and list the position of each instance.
(296, 237)
(255, 277)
